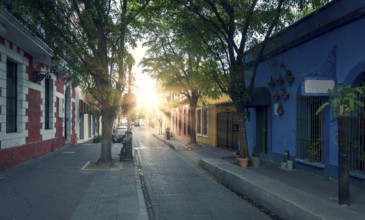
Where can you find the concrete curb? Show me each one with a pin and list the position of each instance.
(284, 200)
(164, 141)
(143, 213)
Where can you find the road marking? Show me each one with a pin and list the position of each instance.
(69, 152)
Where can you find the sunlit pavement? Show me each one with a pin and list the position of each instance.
(289, 194)
(177, 189)
(55, 186)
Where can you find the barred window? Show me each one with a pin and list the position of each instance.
(48, 107)
(309, 129)
(11, 96)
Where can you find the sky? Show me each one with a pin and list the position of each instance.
(144, 87)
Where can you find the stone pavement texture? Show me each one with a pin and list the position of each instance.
(292, 194)
(63, 185)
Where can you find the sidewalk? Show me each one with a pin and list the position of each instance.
(63, 185)
(290, 194)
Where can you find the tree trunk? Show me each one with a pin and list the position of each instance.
(242, 142)
(343, 160)
(106, 140)
(193, 104)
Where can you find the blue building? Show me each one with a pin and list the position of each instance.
(318, 51)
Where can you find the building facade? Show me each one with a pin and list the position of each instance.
(299, 66)
(39, 107)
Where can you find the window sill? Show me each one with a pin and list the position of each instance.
(357, 175)
(313, 164)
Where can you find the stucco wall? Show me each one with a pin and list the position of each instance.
(345, 43)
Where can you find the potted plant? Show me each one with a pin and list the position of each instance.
(284, 94)
(276, 96)
(280, 80)
(236, 155)
(255, 159)
(280, 109)
(289, 76)
(343, 99)
(271, 82)
(314, 151)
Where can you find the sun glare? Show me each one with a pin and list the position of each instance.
(147, 97)
(144, 89)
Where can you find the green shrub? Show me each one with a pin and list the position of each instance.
(97, 139)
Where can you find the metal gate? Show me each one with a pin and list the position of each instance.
(357, 139)
(227, 130)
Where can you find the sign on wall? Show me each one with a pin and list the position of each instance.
(317, 86)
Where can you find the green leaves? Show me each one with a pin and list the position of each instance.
(344, 99)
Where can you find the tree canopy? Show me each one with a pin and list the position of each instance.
(234, 34)
(94, 38)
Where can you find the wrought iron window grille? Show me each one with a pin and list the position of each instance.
(41, 75)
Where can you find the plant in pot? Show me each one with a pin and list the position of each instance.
(289, 76)
(343, 100)
(280, 109)
(276, 96)
(242, 158)
(236, 155)
(284, 94)
(280, 80)
(255, 159)
(271, 82)
(314, 151)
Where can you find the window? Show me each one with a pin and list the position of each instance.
(198, 121)
(48, 110)
(309, 129)
(205, 121)
(89, 121)
(11, 96)
(357, 138)
(202, 121)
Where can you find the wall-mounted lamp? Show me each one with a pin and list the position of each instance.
(40, 75)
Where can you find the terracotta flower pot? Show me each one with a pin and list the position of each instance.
(243, 162)
(255, 161)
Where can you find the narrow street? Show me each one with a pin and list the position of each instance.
(178, 189)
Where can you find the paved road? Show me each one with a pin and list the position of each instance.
(178, 189)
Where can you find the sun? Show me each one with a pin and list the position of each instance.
(144, 86)
(147, 97)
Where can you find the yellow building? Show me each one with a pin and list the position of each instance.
(217, 123)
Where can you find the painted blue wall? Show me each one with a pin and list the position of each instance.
(347, 41)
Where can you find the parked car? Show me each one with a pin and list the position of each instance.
(119, 134)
